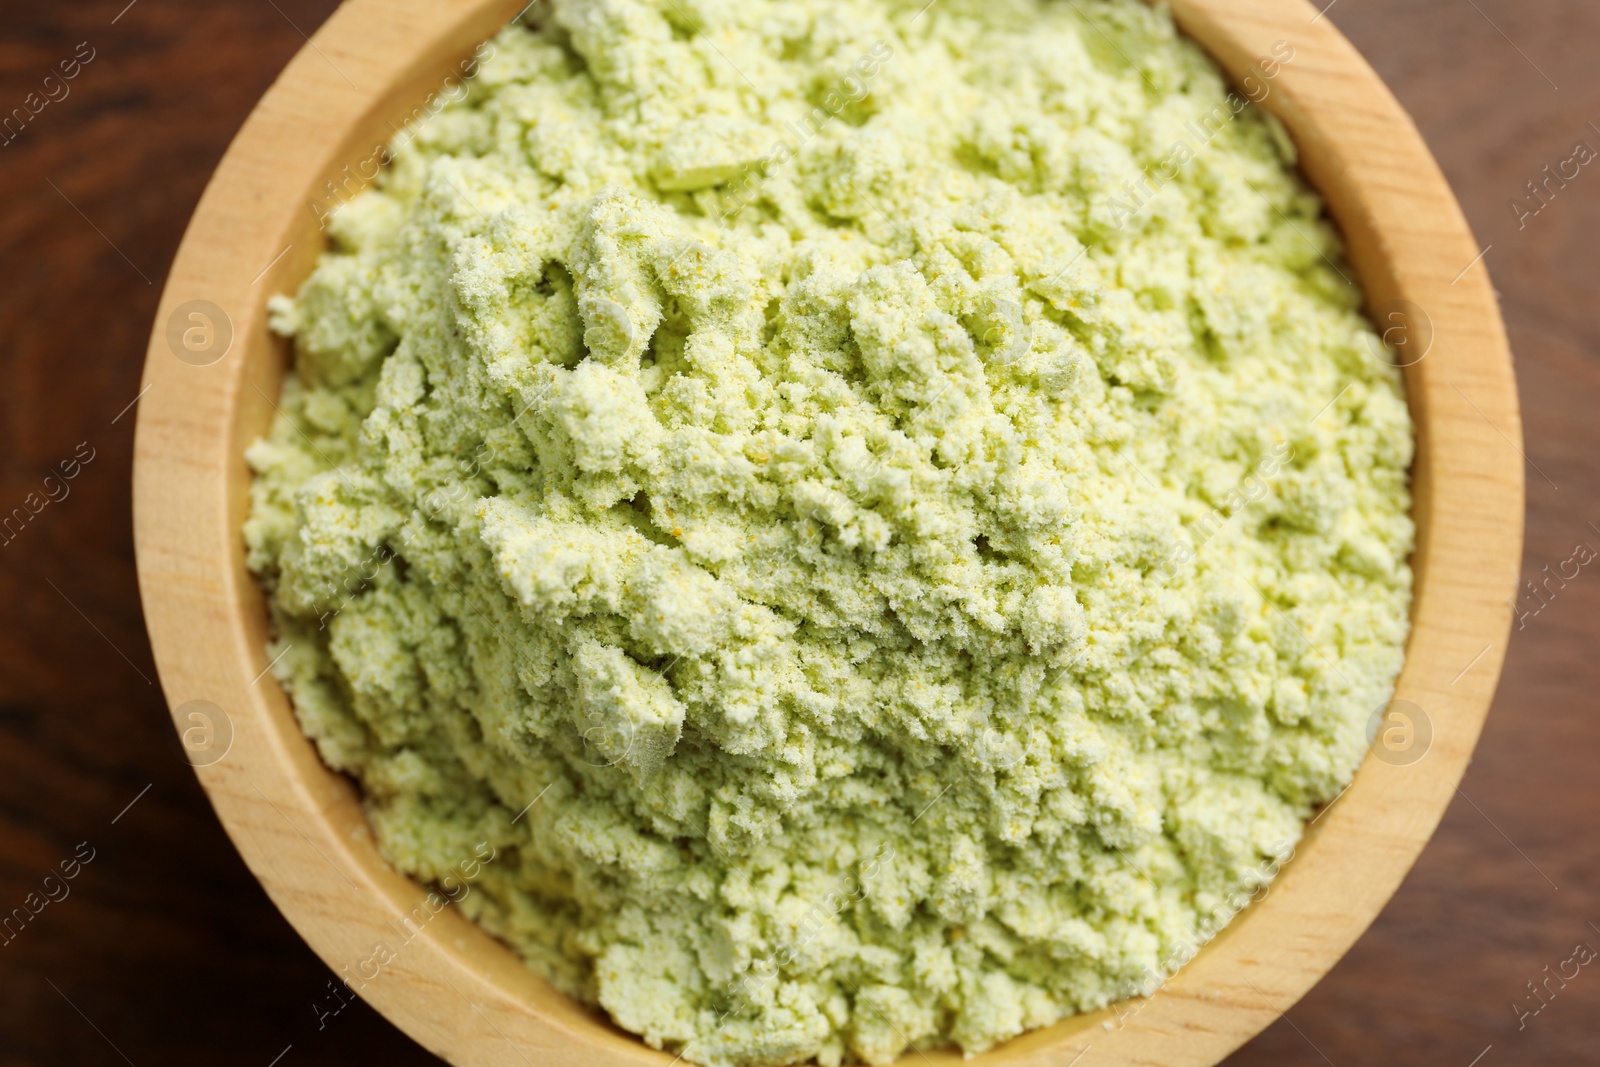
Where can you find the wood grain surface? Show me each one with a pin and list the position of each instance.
(165, 950)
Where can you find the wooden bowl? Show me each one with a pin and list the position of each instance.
(213, 373)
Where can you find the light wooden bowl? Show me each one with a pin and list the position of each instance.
(464, 995)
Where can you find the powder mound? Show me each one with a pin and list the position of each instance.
(909, 500)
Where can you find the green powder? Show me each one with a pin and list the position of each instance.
(910, 500)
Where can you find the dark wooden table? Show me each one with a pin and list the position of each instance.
(162, 949)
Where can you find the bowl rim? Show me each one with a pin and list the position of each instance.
(468, 998)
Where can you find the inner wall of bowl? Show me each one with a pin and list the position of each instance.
(267, 358)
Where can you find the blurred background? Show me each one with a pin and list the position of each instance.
(161, 947)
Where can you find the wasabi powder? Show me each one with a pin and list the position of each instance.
(885, 520)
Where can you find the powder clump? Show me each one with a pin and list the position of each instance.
(925, 569)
